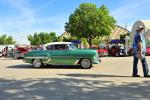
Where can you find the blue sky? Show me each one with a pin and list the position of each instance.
(20, 18)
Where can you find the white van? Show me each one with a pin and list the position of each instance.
(1, 54)
(1, 49)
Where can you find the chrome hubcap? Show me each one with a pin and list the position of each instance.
(85, 63)
(37, 63)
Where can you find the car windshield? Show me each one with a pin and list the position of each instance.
(72, 47)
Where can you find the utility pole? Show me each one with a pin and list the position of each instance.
(125, 25)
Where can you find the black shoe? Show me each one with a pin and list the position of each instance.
(147, 76)
(135, 75)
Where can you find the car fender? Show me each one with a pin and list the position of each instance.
(44, 56)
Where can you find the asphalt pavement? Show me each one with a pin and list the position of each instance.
(109, 80)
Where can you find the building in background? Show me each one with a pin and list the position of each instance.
(117, 31)
(65, 35)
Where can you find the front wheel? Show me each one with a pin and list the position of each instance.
(101, 54)
(117, 54)
(86, 63)
(37, 63)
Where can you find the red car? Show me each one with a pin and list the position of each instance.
(148, 51)
(20, 51)
(102, 52)
(130, 51)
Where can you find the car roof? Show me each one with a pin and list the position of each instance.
(58, 43)
(53, 43)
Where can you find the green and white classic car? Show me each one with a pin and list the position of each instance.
(62, 53)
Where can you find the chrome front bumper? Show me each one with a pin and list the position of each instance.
(97, 61)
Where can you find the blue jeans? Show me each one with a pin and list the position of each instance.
(144, 65)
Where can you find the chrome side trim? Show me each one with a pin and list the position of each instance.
(47, 61)
(36, 57)
(76, 62)
(69, 57)
(24, 61)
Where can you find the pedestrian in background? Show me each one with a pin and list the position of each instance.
(139, 51)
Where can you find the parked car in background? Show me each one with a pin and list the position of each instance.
(62, 53)
(117, 48)
(148, 51)
(1, 50)
(10, 52)
(1, 54)
(6, 50)
(20, 51)
(130, 51)
(102, 51)
(117, 51)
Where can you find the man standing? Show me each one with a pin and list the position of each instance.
(139, 50)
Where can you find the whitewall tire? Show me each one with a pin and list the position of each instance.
(37, 63)
(86, 63)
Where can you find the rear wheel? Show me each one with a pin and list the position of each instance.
(15, 56)
(117, 54)
(101, 54)
(125, 54)
(37, 63)
(86, 63)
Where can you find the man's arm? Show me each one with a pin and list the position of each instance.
(140, 46)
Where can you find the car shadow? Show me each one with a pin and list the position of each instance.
(2, 58)
(23, 66)
(92, 75)
(27, 66)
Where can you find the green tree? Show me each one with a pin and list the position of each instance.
(66, 39)
(58, 39)
(37, 39)
(88, 22)
(42, 38)
(84, 42)
(53, 36)
(4, 39)
(123, 36)
(31, 39)
(10, 40)
(69, 39)
(96, 41)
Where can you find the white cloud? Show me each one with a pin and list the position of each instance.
(24, 17)
(27, 22)
(131, 11)
(130, 8)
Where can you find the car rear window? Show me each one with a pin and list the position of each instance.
(49, 47)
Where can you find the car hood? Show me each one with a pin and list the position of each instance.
(85, 51)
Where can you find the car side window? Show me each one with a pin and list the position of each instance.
(113, 47)
(49, 47)
(60, 47)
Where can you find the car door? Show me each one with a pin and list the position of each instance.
(60, 54)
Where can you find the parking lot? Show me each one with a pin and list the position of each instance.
(110, 79)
